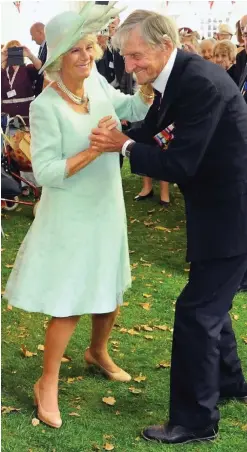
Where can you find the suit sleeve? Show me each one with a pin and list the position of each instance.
(199, 111)
(48, 164)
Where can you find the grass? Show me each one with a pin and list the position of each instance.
(98, 423)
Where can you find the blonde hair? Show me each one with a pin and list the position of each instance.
(53, 69)
(226, 46)
(7, 46)
(155, 29)
(11, 44)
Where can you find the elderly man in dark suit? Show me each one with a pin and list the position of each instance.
(207, 158)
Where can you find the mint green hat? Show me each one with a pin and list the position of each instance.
(66, 29)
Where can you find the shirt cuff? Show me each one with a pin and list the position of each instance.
(125, 145)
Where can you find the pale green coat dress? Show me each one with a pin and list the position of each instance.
(74, 259)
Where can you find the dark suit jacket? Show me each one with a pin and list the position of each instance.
(236, 70)
(207, 157)
(42, 55)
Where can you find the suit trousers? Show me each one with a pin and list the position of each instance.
(205, 364)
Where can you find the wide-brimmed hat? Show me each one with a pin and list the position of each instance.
(225, 29)
(66, 29)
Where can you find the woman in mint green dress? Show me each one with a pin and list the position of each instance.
(74, 259)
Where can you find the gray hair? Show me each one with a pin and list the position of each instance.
(155, 29)
(212, 40)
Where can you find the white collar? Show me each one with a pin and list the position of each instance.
(161, 81)
(43, 43)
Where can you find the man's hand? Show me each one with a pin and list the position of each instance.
(107, 123)
(104, 140)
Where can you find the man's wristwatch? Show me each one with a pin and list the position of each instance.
(126, 149)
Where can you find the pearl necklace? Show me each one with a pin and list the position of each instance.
(78, 100)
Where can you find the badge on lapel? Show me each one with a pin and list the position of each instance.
(164, 137)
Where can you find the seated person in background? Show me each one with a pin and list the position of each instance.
(224, 32)
(17, 83)
(225, 54)
(189, 40)
(206, 48)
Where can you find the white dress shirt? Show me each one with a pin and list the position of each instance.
(162, 79)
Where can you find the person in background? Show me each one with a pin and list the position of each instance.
(206, 48)
(37, 32)
(239, 35)
(237, 70)
(17, 92)
(224, 54)
(224, 32)
(17, 82)
(103, 38)
(189, 40)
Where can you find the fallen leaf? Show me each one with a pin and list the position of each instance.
(9, 409)
(9, 307)
(162, 228)
(26, 353)
(117, 413)
(132, 332)
(146, 306)
(74, 414)
(126, 303)
(163, 271)
(169, 276)
(186, 269)
(146, 295)
(236, 316)
(131, 252)
(35, 422)
(164, 365)
(109, 400)
(9, 265)
(161, 327)
(140, 378)
(108, 446)
(244, 428)
(135, 390)
(133, 278)
(123, 330)
(41, 347)
(151, 211)
(148, 337)
(245, 340)
(66, 359)
(147, 328)
(95, 447)
(71, 380)
(147, 265)
(134, 221)
(148, 223)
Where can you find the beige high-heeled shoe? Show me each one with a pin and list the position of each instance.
(117, 376)
(51, 418)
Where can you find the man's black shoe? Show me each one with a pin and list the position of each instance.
(176, 434)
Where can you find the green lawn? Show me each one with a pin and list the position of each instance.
(159, 270)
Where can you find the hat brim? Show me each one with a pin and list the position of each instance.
(94, 18)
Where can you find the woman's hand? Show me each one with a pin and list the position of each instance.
(108, 123)
(27, 53)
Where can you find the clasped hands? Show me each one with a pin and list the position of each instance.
(106, 137)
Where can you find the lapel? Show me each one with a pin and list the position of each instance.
(173, 84)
